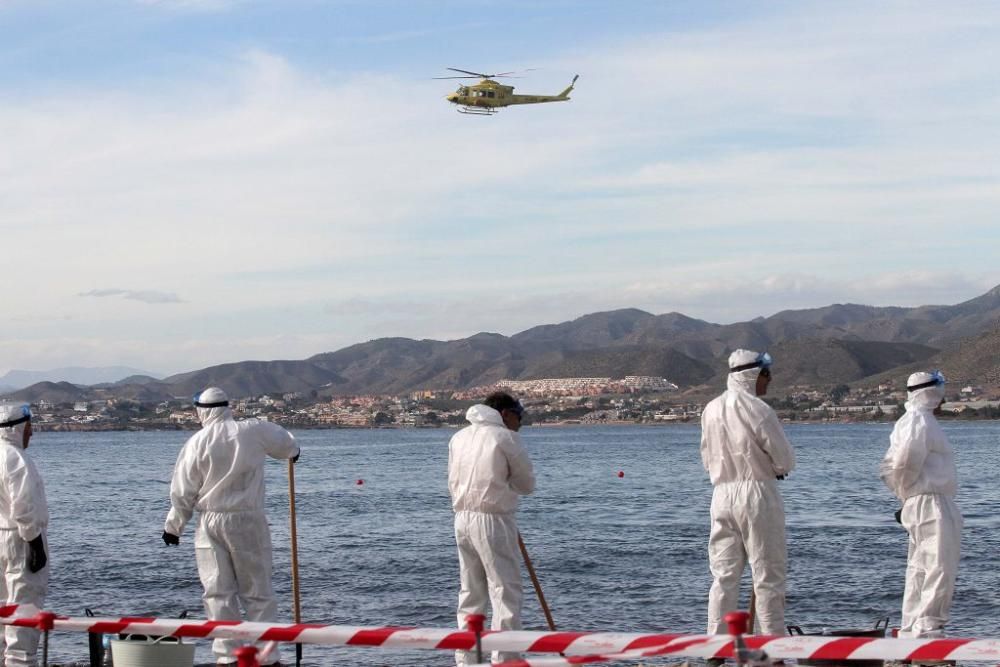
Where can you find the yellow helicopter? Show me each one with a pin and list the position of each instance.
(487, 97)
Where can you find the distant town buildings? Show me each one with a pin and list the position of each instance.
(578, 400)
(586, 386)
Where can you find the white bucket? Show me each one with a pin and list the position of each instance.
(142, 651)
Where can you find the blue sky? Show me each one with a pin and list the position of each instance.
(192, 182)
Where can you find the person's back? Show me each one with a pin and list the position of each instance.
(488, 469)
(220, 473)
(229, 456)
(742, 438)
(919, 468)
(920, 458)
(744, 450)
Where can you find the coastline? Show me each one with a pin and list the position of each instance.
(88, 428)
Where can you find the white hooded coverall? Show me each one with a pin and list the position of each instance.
(24, 515)
(220, 473)
(488, 469)
(744, 449)
(919, 468)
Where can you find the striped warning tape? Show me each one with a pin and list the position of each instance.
(575, 645)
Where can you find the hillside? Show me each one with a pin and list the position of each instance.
(621, 361)
(248, 378)
(972, 361)
(841, 343)
(932, 325)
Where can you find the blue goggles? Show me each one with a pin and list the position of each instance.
(217, 404)
(25, 416)
(937, 380)
(763, 360)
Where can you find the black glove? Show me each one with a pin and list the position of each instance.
(295, 459)
(170, 539)
(899, 516)
(36, 554)
(779, 477)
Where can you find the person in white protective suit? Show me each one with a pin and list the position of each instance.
(745, 452)
(919, 468)
(488, 469)
(24, 518)
(220, 473)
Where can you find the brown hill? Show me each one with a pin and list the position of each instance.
(253, 378)
(54, 392)
(617, 362)
(972, 361)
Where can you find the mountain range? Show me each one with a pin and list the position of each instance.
(840, 343)
(17, 379)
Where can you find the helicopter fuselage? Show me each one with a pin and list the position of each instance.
(488, 94)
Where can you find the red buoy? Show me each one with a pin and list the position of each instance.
(360, 482)
(621, 473)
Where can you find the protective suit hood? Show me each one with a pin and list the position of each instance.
(484, 414)
(925, 399)
(924, 390)
(213, 406)
(13, 412)
(746, 379)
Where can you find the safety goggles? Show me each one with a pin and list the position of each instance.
(217, 404)
(937, 380)
(763, 360)
(518, 410)
(25, 416)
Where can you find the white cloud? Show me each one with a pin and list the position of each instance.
(146, 296)
(717, 298)
(726, 172)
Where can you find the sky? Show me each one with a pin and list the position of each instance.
(186, 183)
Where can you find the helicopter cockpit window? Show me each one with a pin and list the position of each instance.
(489, 93)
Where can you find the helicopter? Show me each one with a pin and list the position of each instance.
(488, 96)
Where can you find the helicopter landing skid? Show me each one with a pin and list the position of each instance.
(477, 111)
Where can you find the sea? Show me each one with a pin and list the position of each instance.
(617, 531)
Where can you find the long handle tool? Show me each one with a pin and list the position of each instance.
(297, 608)
(536, 584)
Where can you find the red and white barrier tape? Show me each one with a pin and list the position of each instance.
(577, 646)
(801, 648)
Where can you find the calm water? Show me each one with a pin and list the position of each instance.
(612, 553)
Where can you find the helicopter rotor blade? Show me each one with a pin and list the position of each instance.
(465, 71)
(457, 77)
(514, 74)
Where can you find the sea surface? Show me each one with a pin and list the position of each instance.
(612, 553)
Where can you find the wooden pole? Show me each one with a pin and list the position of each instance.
(536, 584)
(297, 605)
